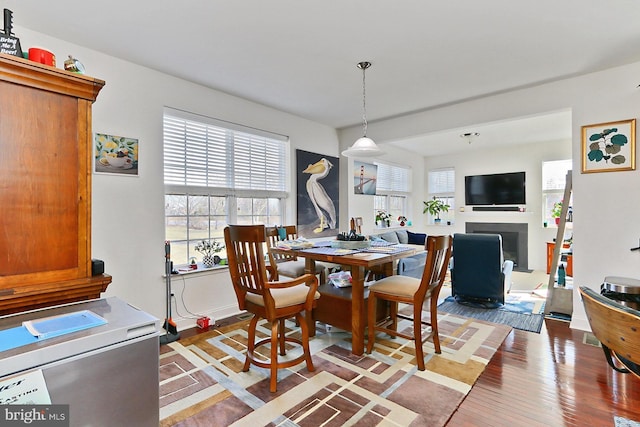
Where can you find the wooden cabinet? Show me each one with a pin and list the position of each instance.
(45, 186)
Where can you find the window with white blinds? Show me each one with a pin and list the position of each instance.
(441, 184)
(554, 179)
(204, 152)
(393, 186)
(218, 173)
(393, 178)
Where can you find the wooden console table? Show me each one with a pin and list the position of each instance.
(569, 266)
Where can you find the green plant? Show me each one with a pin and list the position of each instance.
(207, 247)
(557, 210)
(435, 206)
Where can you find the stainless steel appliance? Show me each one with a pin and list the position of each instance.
(108, 375)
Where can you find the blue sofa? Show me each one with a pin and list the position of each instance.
(411, 266)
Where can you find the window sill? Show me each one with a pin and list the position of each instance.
(392, 227)
(185, 270)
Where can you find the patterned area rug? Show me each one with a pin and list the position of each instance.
(519, 311)
(201, 383)
(623, 422)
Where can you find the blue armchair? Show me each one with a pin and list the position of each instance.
(479, 273)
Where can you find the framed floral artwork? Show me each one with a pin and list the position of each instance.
(609, 147)
(115, 154)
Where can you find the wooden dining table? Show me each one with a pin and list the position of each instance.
(345, 308)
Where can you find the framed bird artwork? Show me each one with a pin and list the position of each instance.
(317, 194)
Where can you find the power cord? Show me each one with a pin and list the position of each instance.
(193, 316)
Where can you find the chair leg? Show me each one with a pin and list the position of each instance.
(417, 333)
(393, 314)
(274, 355)
(434, 324)
(281, 337)
(304, 331)
(251, 342)
(371, 322)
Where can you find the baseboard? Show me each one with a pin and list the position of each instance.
(220, 313)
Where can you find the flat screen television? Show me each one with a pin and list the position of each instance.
(495, 189)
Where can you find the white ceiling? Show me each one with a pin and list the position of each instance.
(545, 127)
(300, 56)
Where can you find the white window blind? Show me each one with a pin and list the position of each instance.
(442, 181)
(218, 173)
(554, 174)
(205, 152)
(393, 178)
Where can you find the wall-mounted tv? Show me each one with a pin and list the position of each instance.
(495, 189)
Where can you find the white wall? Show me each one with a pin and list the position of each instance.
(128, 212)
(605, 205)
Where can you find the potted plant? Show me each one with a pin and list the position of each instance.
(434, 207)
(556, 211)
(402, 219)
(384, 218)
(209, 249)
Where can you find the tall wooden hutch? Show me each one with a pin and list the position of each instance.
(45, 186)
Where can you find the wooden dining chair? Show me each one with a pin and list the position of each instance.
(268, 299)
(289, 265)
(409, 290)
(617, 327)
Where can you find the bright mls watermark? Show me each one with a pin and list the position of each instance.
(34, 415)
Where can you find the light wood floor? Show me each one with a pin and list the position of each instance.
(549, 379)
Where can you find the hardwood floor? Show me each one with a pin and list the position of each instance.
(549, 379)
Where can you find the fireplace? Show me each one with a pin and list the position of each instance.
(515, 236)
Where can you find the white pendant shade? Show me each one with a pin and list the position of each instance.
(363, 147)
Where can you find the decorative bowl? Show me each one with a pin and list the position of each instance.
(116, 162)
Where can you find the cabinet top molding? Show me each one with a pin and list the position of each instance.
(28, 73)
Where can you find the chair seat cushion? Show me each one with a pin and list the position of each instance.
(284, 297)
(402, 286)
(295, 268)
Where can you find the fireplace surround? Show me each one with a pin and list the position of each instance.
(515, 240)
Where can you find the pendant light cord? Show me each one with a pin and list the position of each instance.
(363, 66)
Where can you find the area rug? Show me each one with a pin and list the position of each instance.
(623, 422)
(201, 383)
(519, 312)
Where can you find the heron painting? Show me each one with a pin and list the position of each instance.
(318, 194)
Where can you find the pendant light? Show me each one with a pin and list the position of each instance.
(363, 147)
